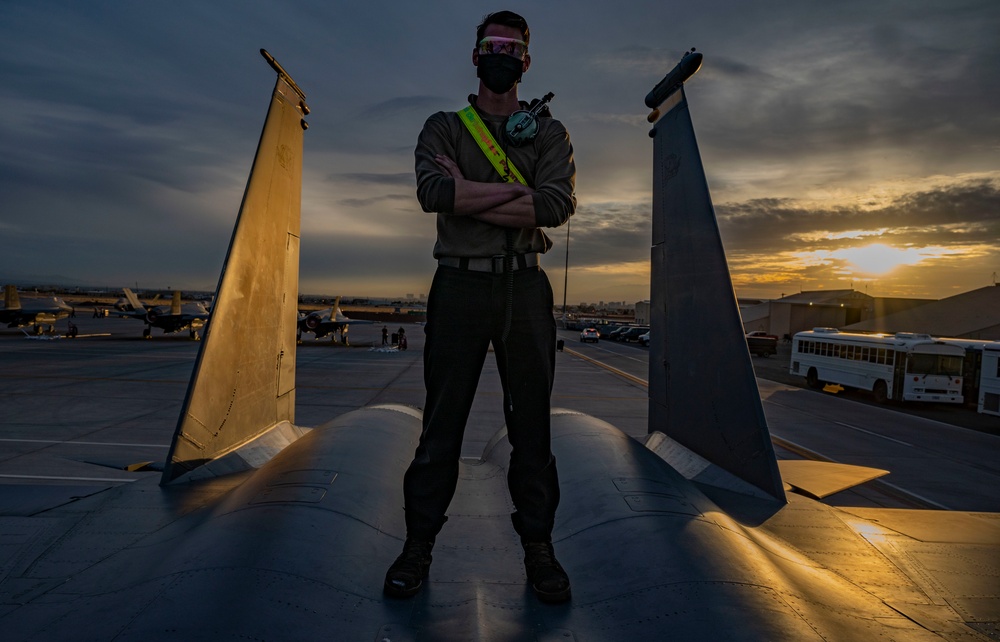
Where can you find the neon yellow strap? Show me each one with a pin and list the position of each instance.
(485, 140)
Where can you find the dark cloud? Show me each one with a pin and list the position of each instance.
(374, 200)
(760, 235)
(129, 129)
(959, 214)
(864, 85)
(394, 108)
(402, 179)
(404, 263)
(633, 59)
(608, 233)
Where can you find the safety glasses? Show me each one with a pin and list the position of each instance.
(507, 46)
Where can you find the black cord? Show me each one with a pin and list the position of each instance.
(508, 267)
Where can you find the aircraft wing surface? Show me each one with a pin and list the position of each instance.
(301, 545)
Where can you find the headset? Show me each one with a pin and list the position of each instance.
(522, 126)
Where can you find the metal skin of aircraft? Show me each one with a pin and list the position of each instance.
(263, 530)
(33, 311)
(172, 319)
(324, 322)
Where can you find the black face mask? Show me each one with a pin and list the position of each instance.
(499, 72)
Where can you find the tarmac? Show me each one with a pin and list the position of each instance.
(83, 411)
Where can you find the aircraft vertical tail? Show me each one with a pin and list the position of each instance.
(175, 303)
(335, 313)
(702, 389)
(243, 384)
(133, 300)
(10, 299)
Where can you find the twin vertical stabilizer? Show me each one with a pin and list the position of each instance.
(10, 299)
(702, 389)
(243, 383)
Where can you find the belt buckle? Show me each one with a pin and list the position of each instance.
(499, 263)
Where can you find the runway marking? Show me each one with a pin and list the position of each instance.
(885, 487)
(98, 479)
(598, 346)
(619, 354)
(910, 493)
(84, 443)
(620, 373)
(873, 434)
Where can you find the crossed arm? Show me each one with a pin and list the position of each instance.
(503, 204)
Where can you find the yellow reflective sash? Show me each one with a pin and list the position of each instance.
(485, 140)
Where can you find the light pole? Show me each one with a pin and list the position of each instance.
(566, 270)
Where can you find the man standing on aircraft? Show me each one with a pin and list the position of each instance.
(493, 187)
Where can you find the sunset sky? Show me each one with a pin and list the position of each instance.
(847, 144)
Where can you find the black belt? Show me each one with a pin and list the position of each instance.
(494, 264)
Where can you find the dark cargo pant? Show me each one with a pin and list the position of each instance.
(465, 313)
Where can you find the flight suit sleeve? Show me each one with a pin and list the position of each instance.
(435, 188)
(555, 177)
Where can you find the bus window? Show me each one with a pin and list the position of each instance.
(934, 364)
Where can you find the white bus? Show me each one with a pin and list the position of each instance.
(989, 381)
(974, 374)
(980, 373)
(902, 366)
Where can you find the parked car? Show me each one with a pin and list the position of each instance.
(762, 344)
(644, 339)
(589, 334)
(633, 334)
(605, 329)
(761, 333)
(616, 334)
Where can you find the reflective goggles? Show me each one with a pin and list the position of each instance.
(497, 45)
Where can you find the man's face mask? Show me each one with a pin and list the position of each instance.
(501, 62)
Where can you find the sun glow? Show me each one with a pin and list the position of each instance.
(876, 259)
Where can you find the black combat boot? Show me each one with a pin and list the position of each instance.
(545, 574)
(406, 576)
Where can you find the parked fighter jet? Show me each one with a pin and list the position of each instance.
(691, 535)
(123, 303)
(32, 311)
(173, 319)
(324, 322)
